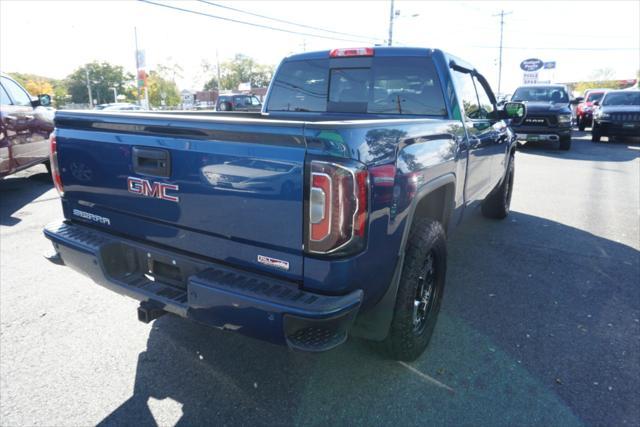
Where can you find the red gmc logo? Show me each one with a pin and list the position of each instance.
(148, 188)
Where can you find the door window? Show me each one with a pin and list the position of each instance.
(255, 101)
(18, 94)
(242, 101)
(486, 106)
(467, 93)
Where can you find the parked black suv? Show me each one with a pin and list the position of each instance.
(548, 114)
(238, 103)
(618, 114)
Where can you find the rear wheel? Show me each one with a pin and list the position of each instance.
(497, 204)
(565, 143)
(419, 291)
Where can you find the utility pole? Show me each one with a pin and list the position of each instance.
(135, 34)
(86, 73)
(390, 41)
(501, 14)
(218, 69)
(146, 92)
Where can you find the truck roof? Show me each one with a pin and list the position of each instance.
(379, 51)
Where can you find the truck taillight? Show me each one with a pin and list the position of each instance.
(53, 159)
(338, 207)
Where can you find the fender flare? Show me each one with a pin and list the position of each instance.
(374, 324)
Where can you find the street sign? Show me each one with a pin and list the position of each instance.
(550, 65)
(530, 78)
(141, 59)
(531, 64)
(142, 78)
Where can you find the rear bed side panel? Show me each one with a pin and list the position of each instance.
(240, 192)
(402, 157)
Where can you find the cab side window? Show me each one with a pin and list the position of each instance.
(486, 106)
(467, 93)
(18, 94)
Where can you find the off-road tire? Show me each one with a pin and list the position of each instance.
(498, 202)
(427, 241)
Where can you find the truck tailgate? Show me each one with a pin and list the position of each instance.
(224, 188)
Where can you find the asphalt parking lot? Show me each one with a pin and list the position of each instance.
(540, 325)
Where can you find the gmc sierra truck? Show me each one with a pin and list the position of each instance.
(323, 215)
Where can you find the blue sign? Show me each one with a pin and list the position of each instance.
(549, 65)
(531, 64)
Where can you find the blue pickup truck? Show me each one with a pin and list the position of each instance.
(323, 215)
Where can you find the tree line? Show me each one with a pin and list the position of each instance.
(163, 91)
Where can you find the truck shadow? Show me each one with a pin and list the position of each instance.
(18, 191)
(522, 337)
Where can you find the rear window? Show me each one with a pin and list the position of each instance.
(388, 86)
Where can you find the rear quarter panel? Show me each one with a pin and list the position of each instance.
(403, 157)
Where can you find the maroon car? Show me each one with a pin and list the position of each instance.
(584, 111)
(25, 125)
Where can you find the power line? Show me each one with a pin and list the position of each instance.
(285, 21)
(237, 21)
(559, 48)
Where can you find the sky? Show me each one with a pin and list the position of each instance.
(53, 38)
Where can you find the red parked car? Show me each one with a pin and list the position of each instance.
(584, 111)
(25, 125)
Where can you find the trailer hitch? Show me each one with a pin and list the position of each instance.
(149, 311)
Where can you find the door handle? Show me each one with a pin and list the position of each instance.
(151, 161)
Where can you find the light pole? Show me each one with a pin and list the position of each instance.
(86, 73)
(391, 14)
(115, 94)
(395, 15)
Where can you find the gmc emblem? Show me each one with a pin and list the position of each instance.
(147, 188)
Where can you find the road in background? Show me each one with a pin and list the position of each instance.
(539, 325)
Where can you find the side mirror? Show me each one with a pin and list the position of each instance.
(597, 103)
(43, 100)
(516, 111)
